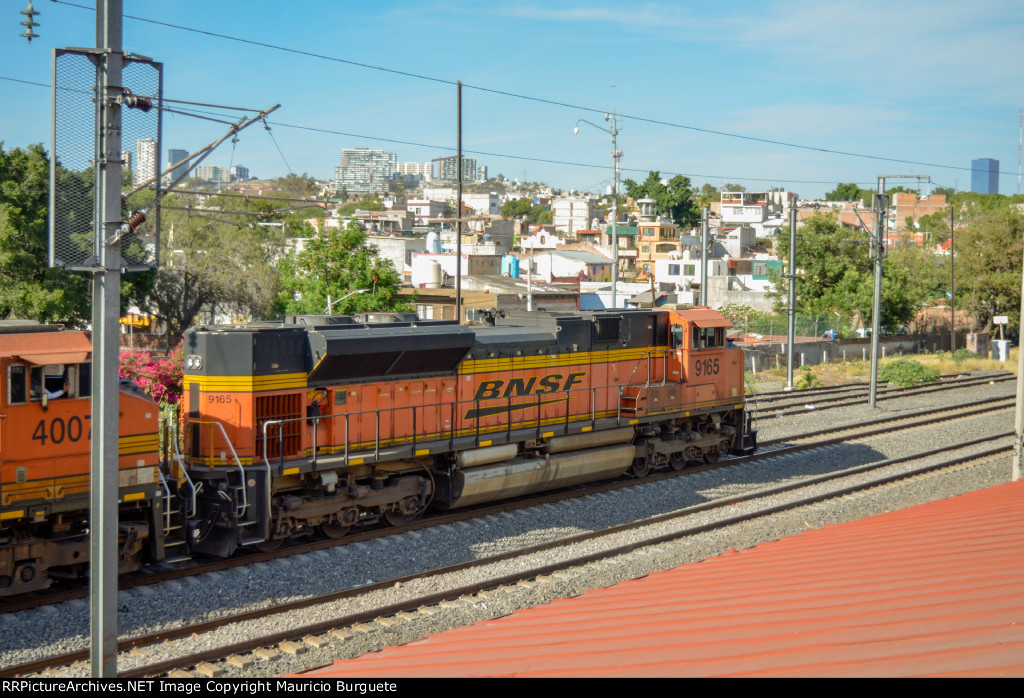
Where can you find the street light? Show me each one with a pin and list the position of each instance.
(331, 304)
(614, 131)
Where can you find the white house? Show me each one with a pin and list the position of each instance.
(423, 210)
(540, 240)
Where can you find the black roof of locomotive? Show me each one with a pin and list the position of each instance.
(341, 349)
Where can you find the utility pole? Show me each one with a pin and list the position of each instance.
(458, 217)
(1018, 441)
(792, 298)
(106, 301)
(878, 250)
(94, 125)
(616, 156)
(705, 214)
(952, 283)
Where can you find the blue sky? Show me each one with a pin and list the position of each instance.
(934, 82)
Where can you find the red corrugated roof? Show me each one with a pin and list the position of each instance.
(47, 347)
(933, 590)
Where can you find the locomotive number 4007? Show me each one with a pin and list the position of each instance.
(706, 367)
(57, 431)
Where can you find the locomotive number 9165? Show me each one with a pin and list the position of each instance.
(706, 367)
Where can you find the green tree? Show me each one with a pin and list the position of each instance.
(934, 227)
(988, 264)
(29, 288)
(374, 204)
(674, 199)
(836, 274)
(298, 185)
(539, 215)
(844, 192)
(401, 194)
(213, 261)
(729, 186)
(516, 208)
(706, 195)
(336, 263)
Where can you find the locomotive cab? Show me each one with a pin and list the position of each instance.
(45, 434)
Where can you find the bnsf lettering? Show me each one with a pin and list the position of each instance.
(517, 387)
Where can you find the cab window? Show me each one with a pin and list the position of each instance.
(84, 380)
(17, 375)
(708, 337)
(51, 379)
(676, 337)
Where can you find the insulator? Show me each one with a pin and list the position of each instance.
(30, 14)
(136, 220)
(135, 102)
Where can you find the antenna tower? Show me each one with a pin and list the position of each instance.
(1020, 146)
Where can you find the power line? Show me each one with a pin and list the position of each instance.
(195, 113)
(545, 160)
(515, 95)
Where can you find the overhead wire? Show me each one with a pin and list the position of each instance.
(198, 114)
(515, 95)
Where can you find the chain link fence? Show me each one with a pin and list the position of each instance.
(773, 325)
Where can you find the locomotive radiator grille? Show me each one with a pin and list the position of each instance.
(283, 440)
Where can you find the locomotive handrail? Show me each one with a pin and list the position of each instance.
(167, 501)
(239, 510)
(279, 423)
(414, 437)
(648, 354)
(190, 506)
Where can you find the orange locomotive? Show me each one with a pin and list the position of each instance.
(322, 423)
(45, 434)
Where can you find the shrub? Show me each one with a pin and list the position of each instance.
(906, 373)
(807, 381)
(161, 379)
(961, 355)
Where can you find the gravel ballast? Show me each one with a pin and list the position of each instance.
(47, 631)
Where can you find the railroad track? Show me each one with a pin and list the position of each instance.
(296, 639)
(768, 448)
(340, 627)
(789, 403)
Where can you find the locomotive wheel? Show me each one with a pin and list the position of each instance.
(711, 455)
(677, 461)
(397, 518)
(333, 530)
(641, 467)
(269, 545)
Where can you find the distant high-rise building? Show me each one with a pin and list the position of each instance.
(985, 176)
(364, 171)
(145, 161)
(423, 169)
(126, 159)
(238, 172)
(447, 169)
(212, 173)
(176, 155)
(481, 173)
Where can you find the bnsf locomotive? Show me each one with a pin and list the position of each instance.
(325, 423)
(45, 431)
